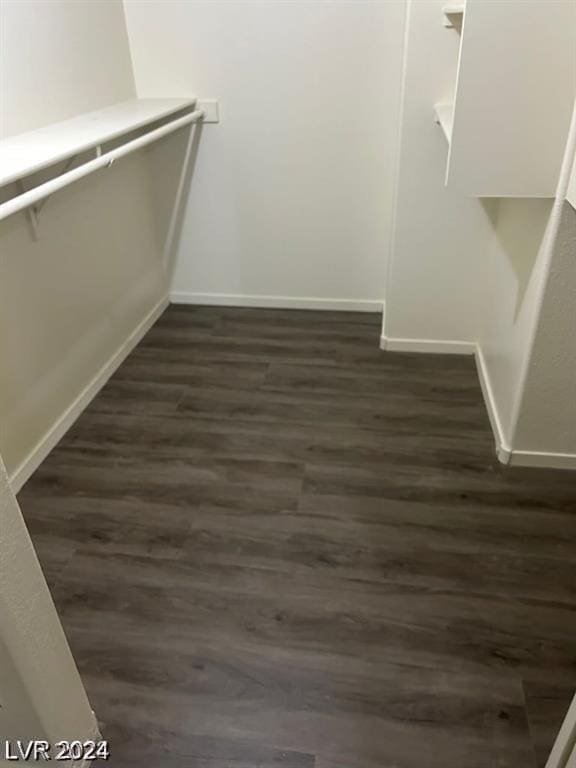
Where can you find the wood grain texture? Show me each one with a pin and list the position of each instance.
(272, 544)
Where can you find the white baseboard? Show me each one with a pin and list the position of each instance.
(428, 346)
(439, 346)
(541, 459)
(503, 450)
(67, 419)
(505, 454)
(275, 302)
(512, 456)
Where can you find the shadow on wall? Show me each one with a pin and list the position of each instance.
(172, 163)
(519, 225)
(73, 302)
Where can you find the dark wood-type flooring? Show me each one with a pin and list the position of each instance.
(272, 544)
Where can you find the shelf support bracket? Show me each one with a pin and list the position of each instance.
(31, 214)
(33, 211)
(66, 167)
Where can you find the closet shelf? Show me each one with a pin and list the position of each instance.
(453, 12)
(27, 153)
(444, 115)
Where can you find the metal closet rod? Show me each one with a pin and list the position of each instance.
(33, 196)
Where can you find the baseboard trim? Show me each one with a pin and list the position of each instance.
(443, 347)
(503, 450)
(428, 346)
(506, 455)
(275, 302)
(67, 419)
(511, 456)
(431, 346)
(544, 460)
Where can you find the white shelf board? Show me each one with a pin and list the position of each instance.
(452, 12)
(29, 152)
(445, 117)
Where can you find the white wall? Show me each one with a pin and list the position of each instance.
(60, 58)
(547, 413)
(70, 301)
(292, 192)
(41, 695)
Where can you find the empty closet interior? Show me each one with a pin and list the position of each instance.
(287, 393)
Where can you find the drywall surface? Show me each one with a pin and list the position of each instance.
(547, 417)
(69, 301)
(60, 58)
(435, 290)
(41, 695)
(292, 191)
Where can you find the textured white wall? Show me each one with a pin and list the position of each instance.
(292, 192)
(70, 300)
(547, 415)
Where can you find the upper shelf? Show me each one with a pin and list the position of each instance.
(453, 13)
(29, 152)
(500, 145)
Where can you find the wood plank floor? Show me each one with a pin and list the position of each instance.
(272, 544)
